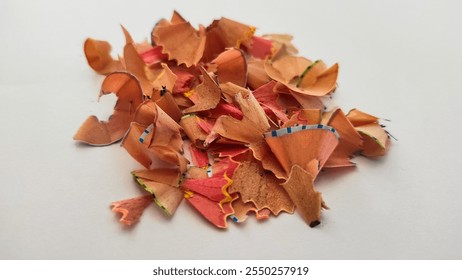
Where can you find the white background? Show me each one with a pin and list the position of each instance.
(399, 60)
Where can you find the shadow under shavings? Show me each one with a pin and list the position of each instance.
(333, 174)
(82, 145)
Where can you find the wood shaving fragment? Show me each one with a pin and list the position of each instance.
(129, 97)
(242, 210)
(181, 42)
(231, 67)
(256, 74)
(350, 140)
(308, 201)
(167, 197)
(229, 90)
(314, 145)
(302, 75)
(205, 96)
(212, 211)
(131, 209)
(263, 189)
(376, 140)
(358, 118)
(167, 176)
(225, 33)
(98, 54)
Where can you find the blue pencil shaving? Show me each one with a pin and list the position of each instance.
(146, 132)
(209, 171)
(289, 130)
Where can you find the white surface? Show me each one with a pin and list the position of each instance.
(399, 60)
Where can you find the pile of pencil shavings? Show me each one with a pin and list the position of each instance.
(245, 109)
